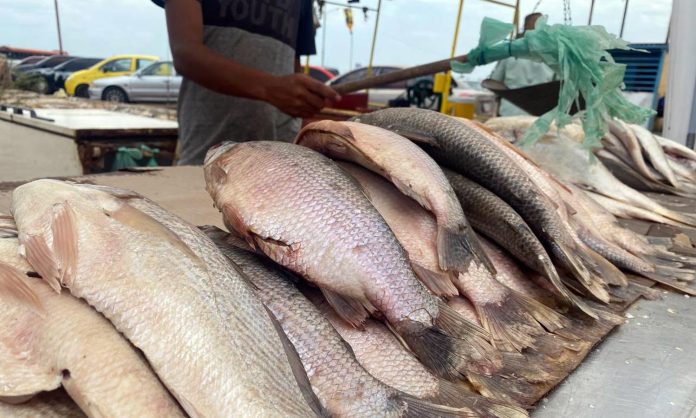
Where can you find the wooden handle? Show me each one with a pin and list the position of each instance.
(400, 75)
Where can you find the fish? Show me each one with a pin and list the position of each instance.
(675, 148)
(570, 163)
(469, 149)
(494, 218)
(104, 245)
(627, 175)
(64, 342)
(655, 153)
(513, 320)
(412, 171)
(53, 404)
(414, 228)
(341, 383)
(633, 146)
(621, 209)
(308, 215)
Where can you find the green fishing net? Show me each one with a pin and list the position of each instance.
(580, 57)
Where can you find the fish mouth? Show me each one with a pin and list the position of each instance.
(217, 150)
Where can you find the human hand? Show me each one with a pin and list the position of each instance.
(299, 95)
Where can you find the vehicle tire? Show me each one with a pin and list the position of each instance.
(114, 94)
(82, 91)
(41, 85)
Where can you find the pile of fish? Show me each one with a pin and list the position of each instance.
(402, 264)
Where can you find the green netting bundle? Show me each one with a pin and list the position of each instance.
(135, 157)
(579, 56)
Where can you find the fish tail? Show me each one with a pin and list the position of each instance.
(452, 346)
(682, 218)
(549, 271)
(514, 390)
(13, 286)
(676, 273)
(575, 262)
(459, 395)
(417, 408)
(458, 247)
(605, 270)
(594, 330)
(633, 291)
(438, 282)
(517, 321)
(671, 283)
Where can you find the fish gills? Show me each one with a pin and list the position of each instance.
(308, 215)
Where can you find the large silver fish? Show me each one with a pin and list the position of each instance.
(412, 171)
(341, 383)
(307, 214)
(65, 342)
(470, 150)
(168, 289)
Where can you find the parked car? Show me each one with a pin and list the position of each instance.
(322, 74)
(77, 84)
(28, 60)
(57, 76)
(158, 82)
(46, 62)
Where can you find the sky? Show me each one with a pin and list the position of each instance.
(410, 32)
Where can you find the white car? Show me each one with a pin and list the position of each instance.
(157, 82)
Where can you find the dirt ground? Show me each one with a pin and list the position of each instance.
(60, 101)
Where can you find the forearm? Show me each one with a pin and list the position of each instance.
(209, 69)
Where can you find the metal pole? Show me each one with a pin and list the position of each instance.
(623, 20)
(374, 39)
(589, 19)
(351, 52)
(60, 39)
(448, 79)
(323, 37)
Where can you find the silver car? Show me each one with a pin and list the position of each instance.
(157, 82)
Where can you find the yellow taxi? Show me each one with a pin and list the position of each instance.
(78, 82)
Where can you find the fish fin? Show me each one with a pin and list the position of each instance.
(456, 249)
(14, 286)
(516, 322)
(458, 395)
(138, 220)
(671, 283)
(636, 289)
(65, 242)
(350, 310)
(438, 282)
(297, 368)
(418, 137)
(516, 391)
(41, 258)
(452, 346)
(478, 407)
(604, 269)
(574, 261)
(676, 273)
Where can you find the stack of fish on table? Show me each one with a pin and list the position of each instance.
(402, 264)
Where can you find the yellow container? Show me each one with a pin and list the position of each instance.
(463, 110)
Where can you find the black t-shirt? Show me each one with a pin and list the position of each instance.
(289, 21)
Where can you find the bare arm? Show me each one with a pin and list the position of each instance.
(295, 94)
